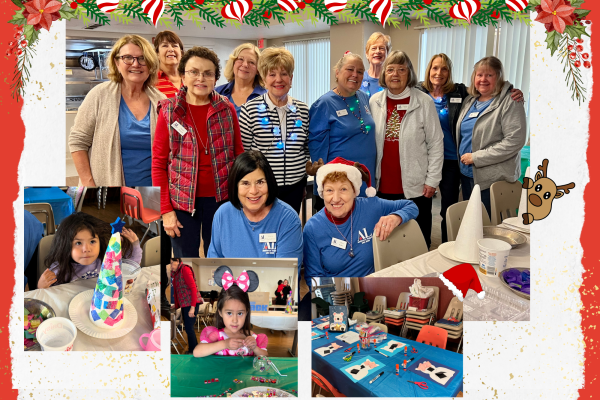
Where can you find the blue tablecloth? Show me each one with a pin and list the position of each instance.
(387, 385)
(62, 204)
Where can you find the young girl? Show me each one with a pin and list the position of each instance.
(78, 248)
(231, 335)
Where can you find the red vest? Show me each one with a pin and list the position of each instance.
(183, 294)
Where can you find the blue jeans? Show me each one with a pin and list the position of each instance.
(467, 187)
(188, 323)
(188, 244)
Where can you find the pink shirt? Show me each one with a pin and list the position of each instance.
(211, 335)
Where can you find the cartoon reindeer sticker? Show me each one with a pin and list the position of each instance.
(540, 194)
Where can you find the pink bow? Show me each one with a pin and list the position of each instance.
(243, 281)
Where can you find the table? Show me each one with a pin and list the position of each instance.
(387, 385)
(62, 204)
(279, 321)
(59, 297)
(188, 374)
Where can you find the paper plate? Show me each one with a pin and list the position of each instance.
(79, 310)
(279, 392)
(447, 250)
(516, 223)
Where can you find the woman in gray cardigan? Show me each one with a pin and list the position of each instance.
(491, 131)
(409, 139)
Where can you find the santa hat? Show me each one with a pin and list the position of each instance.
(460, 279)
(339, 164)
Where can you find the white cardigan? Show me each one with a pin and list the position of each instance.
(421, 141)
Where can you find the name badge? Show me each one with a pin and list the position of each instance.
(402, 107)
(179, 128)
(338, 243)
(473, 115)
(267, 238)
(341, 113)
(455, 100)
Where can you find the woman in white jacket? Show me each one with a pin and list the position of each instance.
(409, 139)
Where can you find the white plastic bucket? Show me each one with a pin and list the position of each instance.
(493, 256)
(56, 334)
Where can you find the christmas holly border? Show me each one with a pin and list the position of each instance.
(199, 12)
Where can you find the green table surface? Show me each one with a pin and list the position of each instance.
(188, 374)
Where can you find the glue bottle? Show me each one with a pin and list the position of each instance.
(404, 365)
(405, 349)
(397, 369)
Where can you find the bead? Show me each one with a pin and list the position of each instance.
(279, 146)
(262, 107)
(265, 120)
(293, 136)
(276, 130)
(298, 123)
(292, 108)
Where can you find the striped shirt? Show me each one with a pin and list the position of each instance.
(165, 85)
(284, 146)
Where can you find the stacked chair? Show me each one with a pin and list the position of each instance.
(455, 330)
(360, 304)
(418, 319)
(379, 306)
(397, 316)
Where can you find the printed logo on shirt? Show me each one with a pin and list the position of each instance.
(363, 236)
(270, 248)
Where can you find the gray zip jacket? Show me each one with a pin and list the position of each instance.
(421, 141)
(499, 134)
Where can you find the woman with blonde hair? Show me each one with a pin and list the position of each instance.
(111, 140)
(241, 70)
(377, 48)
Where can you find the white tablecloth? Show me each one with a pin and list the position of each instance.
(60, 296)
(433, 261)
(276, 320)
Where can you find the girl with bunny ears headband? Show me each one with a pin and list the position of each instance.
(231, 334)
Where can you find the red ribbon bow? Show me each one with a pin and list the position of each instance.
(243, 281)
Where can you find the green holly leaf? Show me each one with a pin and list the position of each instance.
(66, 12)
(18, 18)
(18, 3)
(534, 3)
(574, 3)
(575, 31)
(30, 34)
(581, 13)
(553, 41)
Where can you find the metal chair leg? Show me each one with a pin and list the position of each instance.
(459, 343)
(175, 346)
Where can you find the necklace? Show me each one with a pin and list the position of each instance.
(351, 234)
(364, 128)
(276, 130)
(199, 138)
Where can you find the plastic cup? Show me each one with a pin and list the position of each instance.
(153, 343)
(493, 256)
(131, 270)
(56, 334)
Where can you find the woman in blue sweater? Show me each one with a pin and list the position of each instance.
(255, 224)
(337, 240)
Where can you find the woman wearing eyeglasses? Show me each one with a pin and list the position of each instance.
(197, 141)
(111, 139)
(241, 70)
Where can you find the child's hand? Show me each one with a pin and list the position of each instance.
(47, 279)
(250, 343)
(129, 235)
(234, 344)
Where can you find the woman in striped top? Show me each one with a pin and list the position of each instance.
(277, 125)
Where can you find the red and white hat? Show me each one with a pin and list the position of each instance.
(459, 279)
(339, 164)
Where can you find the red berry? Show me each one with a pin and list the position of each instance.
(11, 44)
(587, 64)
(267, 14)
(301, 5)
(74, 5)
(573, 56)
(19, 52)
(17, 35)
(8, 53)
(23, 43)
(570, 47)
(588, 22)
(199, 2)
(579, 48)
(308, 1)
(585, 56)
(17, 27)
(577, 64)
(579, 40)
(428, 2)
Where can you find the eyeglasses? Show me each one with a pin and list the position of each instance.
(400, 71)
(194, 73)
(129, 60)
(246, 184)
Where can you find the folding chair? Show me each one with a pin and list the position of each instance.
(405, 242)
(132, 205)
(43, 212)
(504, 198)
(454, 216)
(151, 254)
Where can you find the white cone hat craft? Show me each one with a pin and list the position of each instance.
(471, 229)
(106, 311)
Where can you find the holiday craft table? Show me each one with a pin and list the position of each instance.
(59, 297)
(387, 385)
(62, 204)
(278, 321)
(188, 374)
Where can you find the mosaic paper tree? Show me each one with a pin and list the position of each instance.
(107, 303)
(288, 307)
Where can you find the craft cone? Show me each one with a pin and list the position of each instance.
(471, 229)
(523, 202)
(288, 307)
(106, 310)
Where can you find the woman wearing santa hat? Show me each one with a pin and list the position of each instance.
(337, 240)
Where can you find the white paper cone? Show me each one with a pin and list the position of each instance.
(523, 202)
(471, 229)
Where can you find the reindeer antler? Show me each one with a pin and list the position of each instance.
(544, 168)
(565, 187)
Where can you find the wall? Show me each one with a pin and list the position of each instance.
(408, 41)
(278, 42)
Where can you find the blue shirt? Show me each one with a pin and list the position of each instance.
(441, 106)
(33, 232)
(330, 136)
(370, 85)
(321, 258)
(235, 236)
(136, 147)
(466, 133)
(227, 89)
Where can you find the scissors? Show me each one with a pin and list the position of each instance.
(422, 385)
(413, 350)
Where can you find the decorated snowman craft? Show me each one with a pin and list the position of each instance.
(106, 311)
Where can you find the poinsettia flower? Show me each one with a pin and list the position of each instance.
(556, 13)
(41, 13)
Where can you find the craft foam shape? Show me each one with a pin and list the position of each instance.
(365, 367)
(471, 229)
(465, 10)
(106, 309)
(336, 5)
(433, 371)
(393, 346)
(330, 348)
(237, 10)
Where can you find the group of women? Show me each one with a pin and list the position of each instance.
(236, 157)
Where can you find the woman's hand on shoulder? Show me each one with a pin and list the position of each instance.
(47, 279)
(517, 95)
(129, 235)
(386, 225)
(171, 224)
